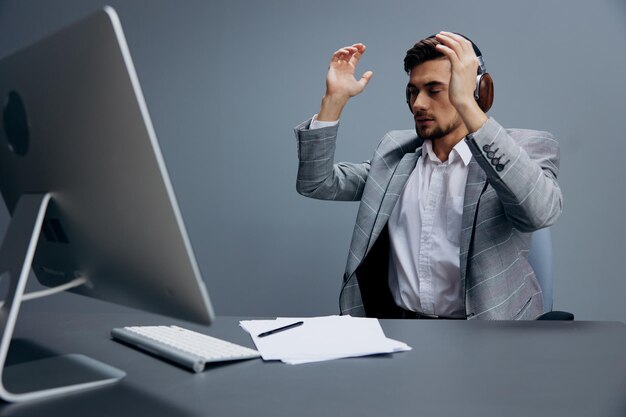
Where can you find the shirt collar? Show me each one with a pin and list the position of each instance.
(460, 150)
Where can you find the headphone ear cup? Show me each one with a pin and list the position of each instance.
(485, 92)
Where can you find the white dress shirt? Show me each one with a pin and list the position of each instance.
(425, 231)
(424, 234)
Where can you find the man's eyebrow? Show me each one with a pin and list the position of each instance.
(429, 84)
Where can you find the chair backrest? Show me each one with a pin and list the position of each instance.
(540, 258)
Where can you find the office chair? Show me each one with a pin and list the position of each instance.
(540, 258)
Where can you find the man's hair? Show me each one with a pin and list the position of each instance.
(421, 52)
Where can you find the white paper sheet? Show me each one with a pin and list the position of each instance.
(321, 338)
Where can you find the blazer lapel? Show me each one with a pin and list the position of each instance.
(384, 198)
(394, 189)
(474, 186)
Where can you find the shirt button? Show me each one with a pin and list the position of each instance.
(491, 154)
(499, 167)
(486, 148)
(495, 161)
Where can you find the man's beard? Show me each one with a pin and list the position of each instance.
(438, 131)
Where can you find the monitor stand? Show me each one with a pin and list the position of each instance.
(47, 377)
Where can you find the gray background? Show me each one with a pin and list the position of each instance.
(226, 81)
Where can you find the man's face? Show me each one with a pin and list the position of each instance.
(435, 117)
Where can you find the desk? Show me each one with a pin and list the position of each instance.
(456, 368)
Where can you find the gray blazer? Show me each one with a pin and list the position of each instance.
(511, 190)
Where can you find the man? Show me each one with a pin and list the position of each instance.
(446, 215)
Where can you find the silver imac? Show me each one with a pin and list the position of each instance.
(92, 206)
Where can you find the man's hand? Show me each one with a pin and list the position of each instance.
(341, 84)
(464, 68)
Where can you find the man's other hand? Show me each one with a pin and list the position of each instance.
(462, 78)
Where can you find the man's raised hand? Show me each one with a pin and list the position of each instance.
(341, 83)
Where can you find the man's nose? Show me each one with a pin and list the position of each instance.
(420, 102)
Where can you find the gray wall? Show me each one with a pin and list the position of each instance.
(226, 81)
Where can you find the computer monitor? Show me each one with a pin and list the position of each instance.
(83, 177)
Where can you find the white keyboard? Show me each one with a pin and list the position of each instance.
(187, 348)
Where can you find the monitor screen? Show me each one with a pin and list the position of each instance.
(75, 127)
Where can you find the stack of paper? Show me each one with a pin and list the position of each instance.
(321, 339)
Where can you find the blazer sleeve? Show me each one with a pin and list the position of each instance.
(318, 176)
(522, 166)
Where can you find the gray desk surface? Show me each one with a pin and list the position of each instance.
(455, 369)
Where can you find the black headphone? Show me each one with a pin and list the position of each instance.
(483, 93)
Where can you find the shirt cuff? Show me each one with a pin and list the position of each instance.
(316, 124)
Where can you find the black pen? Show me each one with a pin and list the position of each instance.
(281, 329)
